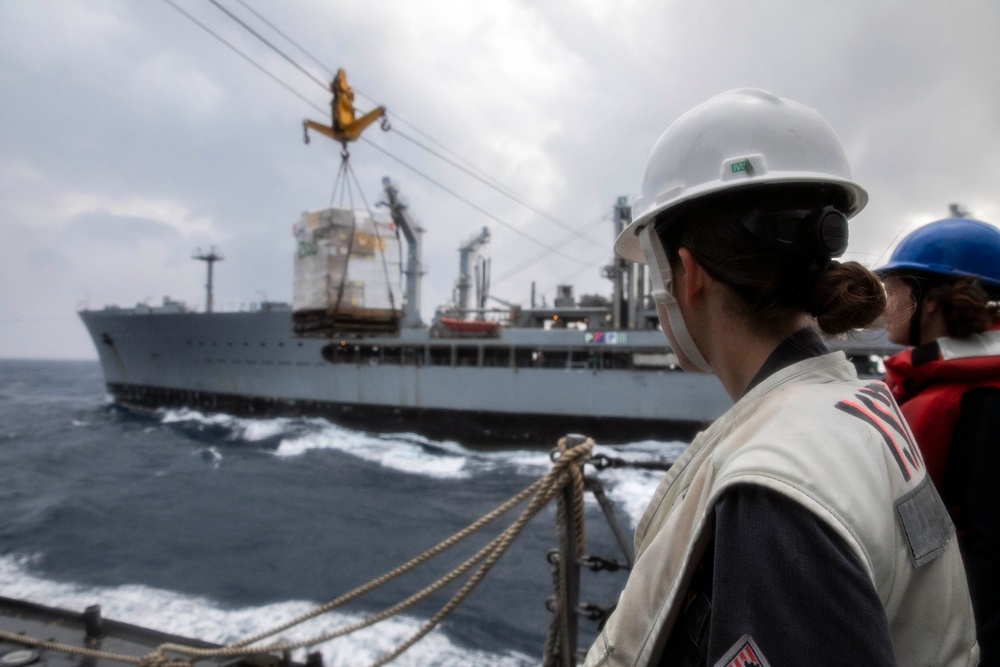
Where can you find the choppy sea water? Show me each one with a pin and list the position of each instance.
(218, 527)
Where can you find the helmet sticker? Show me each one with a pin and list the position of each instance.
(744, 166)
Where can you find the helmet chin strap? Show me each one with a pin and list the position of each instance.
(920, 285)
(915, 318)
(659, 266)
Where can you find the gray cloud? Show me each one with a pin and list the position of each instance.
(125, 122)
(104, 227)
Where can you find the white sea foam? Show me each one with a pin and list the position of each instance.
(262, 429)
(187, 414)
(202, 618)
(629, 488)
(212, 455)
(251, 430)
(405, 455)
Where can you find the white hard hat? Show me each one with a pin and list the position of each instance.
(738, 139)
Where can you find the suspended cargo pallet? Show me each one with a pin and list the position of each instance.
(347, 274)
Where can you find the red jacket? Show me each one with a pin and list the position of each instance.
(929, 381)
(956, 430)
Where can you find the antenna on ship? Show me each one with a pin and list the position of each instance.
(210, 258)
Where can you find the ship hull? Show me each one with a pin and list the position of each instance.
(524, 386)
(482, 427)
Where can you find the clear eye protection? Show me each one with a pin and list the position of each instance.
(656, 259)
(662, 293)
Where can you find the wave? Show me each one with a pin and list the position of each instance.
(202, 618)
(291, 437)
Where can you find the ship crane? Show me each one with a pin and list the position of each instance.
(466, 253)
(414, 269)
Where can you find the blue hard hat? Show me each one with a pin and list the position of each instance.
(950, 247)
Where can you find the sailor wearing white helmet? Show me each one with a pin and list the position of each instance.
(801, 526)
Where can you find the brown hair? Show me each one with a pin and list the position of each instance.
(966, 306)
(770, 282)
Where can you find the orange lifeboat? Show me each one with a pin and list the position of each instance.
(480, 327)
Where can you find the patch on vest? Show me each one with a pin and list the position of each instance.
(744, 653)
(926, 523)
(873, 405)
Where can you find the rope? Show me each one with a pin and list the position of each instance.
(559, 648)
(342, 178)
(16, 638)
(565, 470)
(576, 477)
(378, 237)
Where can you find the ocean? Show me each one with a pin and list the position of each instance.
(217, 527)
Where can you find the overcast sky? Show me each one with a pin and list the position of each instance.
(129, 136)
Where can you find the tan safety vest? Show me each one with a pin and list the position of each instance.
(839, 447)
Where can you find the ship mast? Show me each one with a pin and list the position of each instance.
(620, 272)
(210, 258)
(414, 271)
(466, 253)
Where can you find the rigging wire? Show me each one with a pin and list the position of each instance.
(595, 263)
(466, 167)
(370, 98)
(274, 48)
(245, 56)
(339, 186)
(343, 179)
(378, 238)
(891, 244)
(534, 258)
(499, 188)
(288, 39)
(475, 206)
(467, 163)
(549, 249)
(360, 93)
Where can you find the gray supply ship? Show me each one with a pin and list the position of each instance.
(474, 374)
(353, 348)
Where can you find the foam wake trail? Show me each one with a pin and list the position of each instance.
(414, 454)
(203, 619)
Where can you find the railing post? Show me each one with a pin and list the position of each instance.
(569, 561)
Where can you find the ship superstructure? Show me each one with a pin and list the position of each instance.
(512, 376)
(353, 347)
